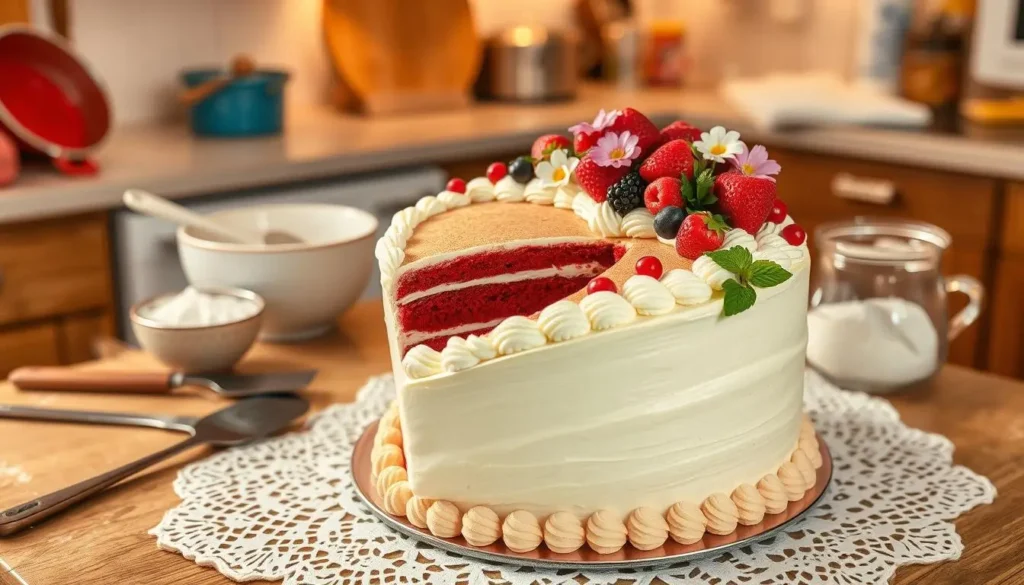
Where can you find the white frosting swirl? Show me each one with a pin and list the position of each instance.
(538, 193)
(480, 190)
(584, 206)
(516, 334)
(738, 237)
(422, 361)
(565, 196)
(407, 219)
(509, 190)
(398, 233)
(389, 258)
(563, 320)
(639, 223)
(785, 257)
(452, 200)
(686, 287)
(770, 240)
(430, 206)
(606, 309)
(457, 355)
(605, 221)
(481, 347)
(773, 228)
(671, 243)
(711, 272)
(647, 295)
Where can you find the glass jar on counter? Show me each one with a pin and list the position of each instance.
(878, 319)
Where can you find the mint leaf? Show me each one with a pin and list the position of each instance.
(705, 180)
(765, 274)
(738, 297)
(688, 195)
(736, 259)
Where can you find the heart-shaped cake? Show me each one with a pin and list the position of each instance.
(589, 350)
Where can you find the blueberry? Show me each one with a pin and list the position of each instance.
(667, 222)
(521, 169)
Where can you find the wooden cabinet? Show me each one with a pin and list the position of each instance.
(55, 290)
(821, 189)
(1006, 342)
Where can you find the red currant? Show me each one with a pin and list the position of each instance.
(496, 172)
(793, 234)
(779, 212)
(456, 185)
(601, 283)
(649, 266)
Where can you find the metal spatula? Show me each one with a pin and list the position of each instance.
(229, 385)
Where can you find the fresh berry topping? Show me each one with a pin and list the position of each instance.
(595, 180)
(779, 212)
(672, 159)
(627, 194)
(521, 169)
(496, 172)
(545, 145)
(680, 130)
(746, 201)
(457, 185)
(701, 232)
(662, 193)
(583, 142)
(667, 222)
(637, 124)
(793, 234)
(601, 283)
(649, 266)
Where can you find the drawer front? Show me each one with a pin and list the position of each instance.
(1013, 221)
(820, 189)
(35, 345)
(53, 267)
(80, 333)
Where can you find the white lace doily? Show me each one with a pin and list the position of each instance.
(286, 509)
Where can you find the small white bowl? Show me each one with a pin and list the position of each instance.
(194, 349)
(306, 285)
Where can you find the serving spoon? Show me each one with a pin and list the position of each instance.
(245, 420)
(147, 203)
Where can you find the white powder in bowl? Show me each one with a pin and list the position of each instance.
(195, 308)
(877, 342)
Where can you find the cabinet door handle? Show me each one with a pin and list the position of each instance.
(866, 190)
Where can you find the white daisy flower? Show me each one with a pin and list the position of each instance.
(719, 144)
(556, 171)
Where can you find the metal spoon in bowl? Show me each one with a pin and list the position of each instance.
(152, 205)
(248, 419)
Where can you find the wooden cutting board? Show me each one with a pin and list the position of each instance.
(403, 55)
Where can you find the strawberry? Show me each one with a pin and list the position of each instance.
(701, 232)
(672, 159)
(583, 142)
(543, 146)
(680, 130)
(595, 179)
(746, 200)
(663, 192)
(638, 125)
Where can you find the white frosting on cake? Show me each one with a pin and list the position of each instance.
(665, 409)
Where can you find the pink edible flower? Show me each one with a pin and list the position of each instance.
(756, 163)
(615, 150)
(601, 121)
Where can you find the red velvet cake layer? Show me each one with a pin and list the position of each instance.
(484, 303)
(498, 262)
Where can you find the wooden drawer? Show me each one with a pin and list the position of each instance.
(1006, 337)
(821, 188)
(53, 267)
(78, 333)
(35, 345)
(1012, 236)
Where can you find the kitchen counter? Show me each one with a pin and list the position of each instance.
(324, 143)
(105, 540)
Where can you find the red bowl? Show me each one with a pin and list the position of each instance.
(49, 99)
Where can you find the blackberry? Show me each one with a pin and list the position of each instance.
(628, 193)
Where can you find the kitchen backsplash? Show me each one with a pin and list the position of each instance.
(139, 47)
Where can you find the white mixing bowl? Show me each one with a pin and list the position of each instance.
(305, 285)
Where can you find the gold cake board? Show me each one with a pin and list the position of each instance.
(628, 557)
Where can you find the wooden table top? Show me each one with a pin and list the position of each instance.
(105, 540)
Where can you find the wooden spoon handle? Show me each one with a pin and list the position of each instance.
(67, 379)
(194, 95)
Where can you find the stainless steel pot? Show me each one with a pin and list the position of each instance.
(528, 63)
